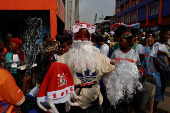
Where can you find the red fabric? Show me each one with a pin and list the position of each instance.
(16, 40)
(66, 49)
(118, 59)
(5, 50)
(21, 57)
(113, 27)
(52, 80)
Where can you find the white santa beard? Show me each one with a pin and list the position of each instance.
(81, 57)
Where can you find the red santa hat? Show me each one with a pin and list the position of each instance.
(57, 84)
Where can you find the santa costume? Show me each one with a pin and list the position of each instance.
(56, 87)
(87, 67)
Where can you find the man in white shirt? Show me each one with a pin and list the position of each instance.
(159, 48)
(159, 58)
(104, 48)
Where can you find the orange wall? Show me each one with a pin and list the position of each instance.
(55, 6)
(28, 4)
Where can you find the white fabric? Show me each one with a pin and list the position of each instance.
(104, 49)
(34, 91)
(44, 99)
(140, 49)
(58, 98)
(155, 48)
(80, 25)
(96, 49)
(132, 54)
(168, 44)
(143, 38)
(109, 41)
(59, 92)
(15, 59)
(169, 41)
(57, 57)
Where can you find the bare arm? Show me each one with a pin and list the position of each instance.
(24, 85)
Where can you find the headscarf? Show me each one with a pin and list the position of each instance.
(127, 35)
(123, 32)
(120, 28)
(16, 41)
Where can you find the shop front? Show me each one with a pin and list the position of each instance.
(14, 13)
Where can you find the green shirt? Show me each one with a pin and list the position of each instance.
(9, 60)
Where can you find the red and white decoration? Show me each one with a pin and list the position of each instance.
(80, 25)
(57, 85)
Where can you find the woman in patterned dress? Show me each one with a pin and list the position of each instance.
(146, 60)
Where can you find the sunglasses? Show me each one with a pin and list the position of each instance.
(82, 37)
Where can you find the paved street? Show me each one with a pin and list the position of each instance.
(164, 107)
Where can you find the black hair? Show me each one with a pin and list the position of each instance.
(99, 38)
(45, 38)
(120, 30)
(134, 31)
(93, 38)
(57, 37)
(144, 41)
(67, 37)
(129, 38)
(163, 30)
(62, 39)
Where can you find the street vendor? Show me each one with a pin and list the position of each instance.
(125, 51)
(87, 68)
(13, 60)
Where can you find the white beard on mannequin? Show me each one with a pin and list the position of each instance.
(81, 57)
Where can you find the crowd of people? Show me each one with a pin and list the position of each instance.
(87, 54)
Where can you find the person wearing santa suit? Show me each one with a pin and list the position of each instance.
(87, 67)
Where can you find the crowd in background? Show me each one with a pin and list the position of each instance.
(147, 45)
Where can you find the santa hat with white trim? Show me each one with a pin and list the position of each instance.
(57, 85)
(79, 25)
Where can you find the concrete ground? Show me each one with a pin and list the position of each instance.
(164, 107)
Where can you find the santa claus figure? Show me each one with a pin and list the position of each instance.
(87, 67)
